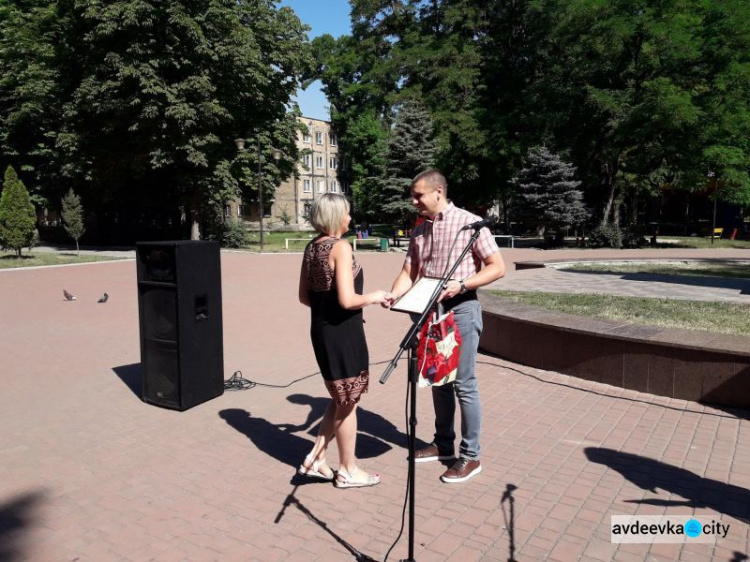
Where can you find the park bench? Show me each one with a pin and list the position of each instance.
(287, 240)
(378, 243)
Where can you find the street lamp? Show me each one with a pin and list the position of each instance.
(713, 219)
(240, 143)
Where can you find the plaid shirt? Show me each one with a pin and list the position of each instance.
(431, 241)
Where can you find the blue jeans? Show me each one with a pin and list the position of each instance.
(468, 317)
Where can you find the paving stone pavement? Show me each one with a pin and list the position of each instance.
(90, 472)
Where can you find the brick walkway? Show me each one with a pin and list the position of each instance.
(89, 472)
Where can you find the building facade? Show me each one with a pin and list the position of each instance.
(320, 170)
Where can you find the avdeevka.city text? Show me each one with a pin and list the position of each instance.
(636, 528)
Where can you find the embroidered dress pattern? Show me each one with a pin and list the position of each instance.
(348, 391)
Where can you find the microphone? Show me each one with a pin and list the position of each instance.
(489, 222)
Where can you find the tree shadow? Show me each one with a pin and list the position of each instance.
(15, 517)
(742, 286)
(132, 376)
(373, 430)
(700, 492)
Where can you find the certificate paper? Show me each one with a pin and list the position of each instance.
(415, 299)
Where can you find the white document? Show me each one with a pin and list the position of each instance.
(415, 299)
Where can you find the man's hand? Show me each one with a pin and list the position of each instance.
(390, 298)
(452, 288)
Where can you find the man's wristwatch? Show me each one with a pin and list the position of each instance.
(463, 286)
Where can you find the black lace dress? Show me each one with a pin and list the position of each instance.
(337, 334)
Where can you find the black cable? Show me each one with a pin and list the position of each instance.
(237, 382)
(408, 488)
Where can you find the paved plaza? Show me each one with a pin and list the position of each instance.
(89, 472)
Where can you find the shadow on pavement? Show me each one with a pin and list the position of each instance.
(372, 429)
(15, 517)
(649, 474)
(132, 376)
(734, 283)
(291, 499)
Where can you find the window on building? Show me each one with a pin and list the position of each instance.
(321, 186)
(333, 163)
(307, 211)
(333, 140)
(306, 159)
(227, 211)
(240, 210)
(305, 137)
(319, 164)
(318, 137)
(334, 186)
(307, 186)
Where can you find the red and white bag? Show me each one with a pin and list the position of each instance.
(438, 350)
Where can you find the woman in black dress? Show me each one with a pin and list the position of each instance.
(331, 283)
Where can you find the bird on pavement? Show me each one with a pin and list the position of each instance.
(69, 296)
(104, 298)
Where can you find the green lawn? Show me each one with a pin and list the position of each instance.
(8, 260)
(699, 242)
(718, 268)
(720, 318)
(274, 241)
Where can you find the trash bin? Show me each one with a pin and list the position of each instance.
(384, 244)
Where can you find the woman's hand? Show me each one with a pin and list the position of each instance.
(377, 297)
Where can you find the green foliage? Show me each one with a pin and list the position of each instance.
(605, 236)
(411, 149)
(140, 100)
(547, 192)
(17, 216)
(72, 216)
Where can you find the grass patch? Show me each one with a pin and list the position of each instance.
(699, 242)
(715, 317)
(715, 268)
(275, 241)
(10, 261)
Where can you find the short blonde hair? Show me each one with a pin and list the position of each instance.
(328, 211)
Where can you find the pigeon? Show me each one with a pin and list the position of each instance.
(68, 296)
(104, 298)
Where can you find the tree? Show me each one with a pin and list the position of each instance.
(548, 194)
(17, 216)
(411, 149)
(72, 216)
(135, 103)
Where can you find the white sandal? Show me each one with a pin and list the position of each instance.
(345, 480)
(313, 470)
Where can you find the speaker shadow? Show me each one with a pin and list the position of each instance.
(132, 376)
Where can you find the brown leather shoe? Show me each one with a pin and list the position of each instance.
(432, 453)
(461, 471)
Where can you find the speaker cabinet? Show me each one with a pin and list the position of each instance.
(179, 305)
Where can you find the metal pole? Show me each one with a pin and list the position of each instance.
(260, 194)
(713, 219)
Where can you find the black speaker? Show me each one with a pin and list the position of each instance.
(179, 305)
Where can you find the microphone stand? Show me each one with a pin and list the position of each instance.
(409, 344)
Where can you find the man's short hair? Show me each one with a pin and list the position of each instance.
(433, 178)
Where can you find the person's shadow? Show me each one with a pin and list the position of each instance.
(373, 430)
(283, 446)
(699, 492)
(17, 516)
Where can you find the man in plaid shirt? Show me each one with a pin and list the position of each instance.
(428, 256)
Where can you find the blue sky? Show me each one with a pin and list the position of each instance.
(323, 16)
